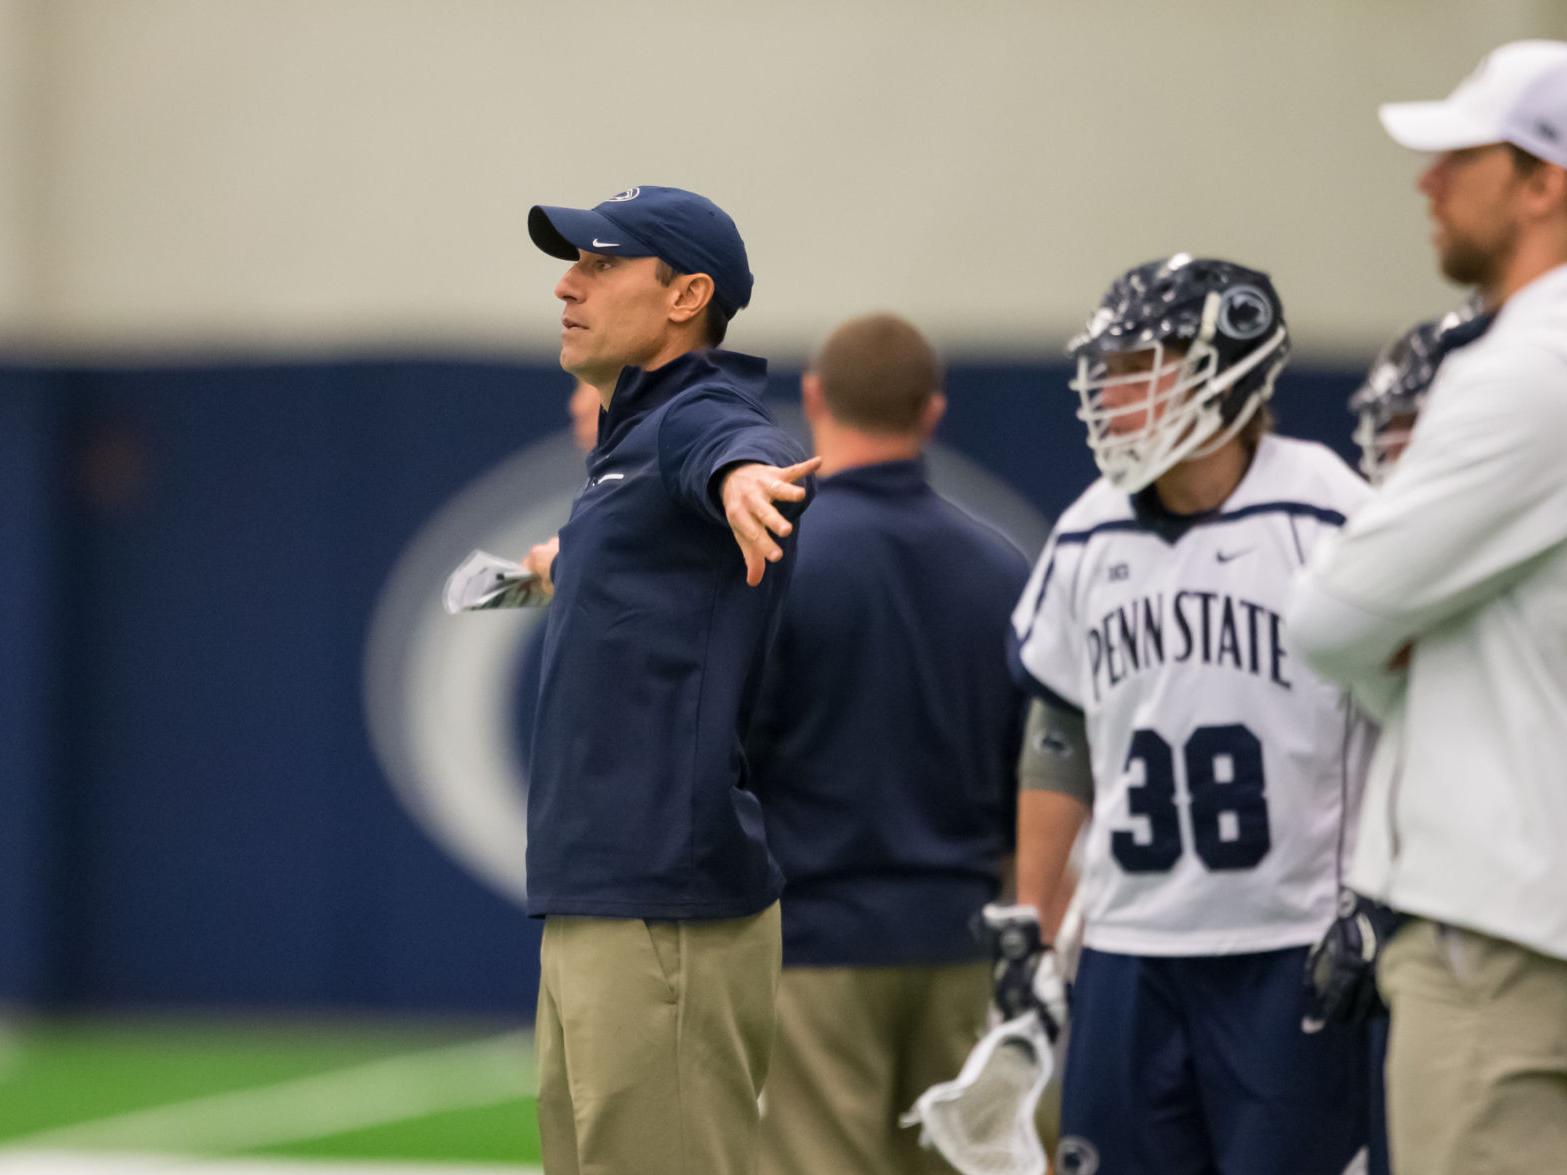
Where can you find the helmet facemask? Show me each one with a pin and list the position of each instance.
(1394, 392)
(1185, 406)
(1383, 437)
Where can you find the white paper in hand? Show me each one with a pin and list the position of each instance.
(483, 581)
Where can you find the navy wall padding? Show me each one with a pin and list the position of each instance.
(190, 812)
(32, 530)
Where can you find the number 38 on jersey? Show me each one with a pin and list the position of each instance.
(1226, 795)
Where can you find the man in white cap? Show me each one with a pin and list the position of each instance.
(1443, 602)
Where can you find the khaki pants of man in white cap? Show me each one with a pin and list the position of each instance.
(1477, 1057)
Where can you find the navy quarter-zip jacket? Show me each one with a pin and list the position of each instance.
(639, 802)
(887, 732)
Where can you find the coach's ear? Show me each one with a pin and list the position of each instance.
(688, 296)
(930, 416)
(1546, 191)
(812, 403)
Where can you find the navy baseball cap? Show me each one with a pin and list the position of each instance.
(689, 232)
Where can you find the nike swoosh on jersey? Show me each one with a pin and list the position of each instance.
(602, 478)
(1228, 556)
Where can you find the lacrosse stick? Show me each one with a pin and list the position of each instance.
(982, 1121)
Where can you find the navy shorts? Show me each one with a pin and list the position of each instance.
(1198, 1066)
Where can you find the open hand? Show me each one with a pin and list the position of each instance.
(748, 493)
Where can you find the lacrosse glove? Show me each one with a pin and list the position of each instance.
(1026, 974)
(1341, 981)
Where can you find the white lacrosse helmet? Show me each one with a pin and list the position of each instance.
(1201, 343)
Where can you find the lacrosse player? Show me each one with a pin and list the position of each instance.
(1220, 772)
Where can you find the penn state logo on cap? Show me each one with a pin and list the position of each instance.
(1244, 312)
(685, 230)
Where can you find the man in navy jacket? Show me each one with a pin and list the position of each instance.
(883, 748)
(646, 851)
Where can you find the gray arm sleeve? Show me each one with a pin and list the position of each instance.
(1055, 753)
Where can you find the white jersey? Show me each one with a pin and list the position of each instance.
(1225, 771)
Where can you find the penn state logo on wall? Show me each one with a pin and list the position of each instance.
(441, 693)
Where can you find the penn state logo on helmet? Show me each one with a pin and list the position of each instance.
(622, 197)
(1244, 313)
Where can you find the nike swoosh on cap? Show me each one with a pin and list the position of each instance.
(598, 244)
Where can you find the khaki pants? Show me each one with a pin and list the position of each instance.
(1477, 1056)
(856, 1047)
(653, 1042)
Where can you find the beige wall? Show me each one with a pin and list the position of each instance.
(308, 174)
(21, 168)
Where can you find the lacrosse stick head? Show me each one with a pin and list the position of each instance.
(982, 1121)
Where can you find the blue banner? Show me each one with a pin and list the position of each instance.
(245, 761)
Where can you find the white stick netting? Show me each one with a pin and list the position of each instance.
(982, 1121)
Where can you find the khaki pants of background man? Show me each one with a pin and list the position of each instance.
(653, 1041)
(856, 1046)
(1477, 1056)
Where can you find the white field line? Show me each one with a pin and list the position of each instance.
(110, 1163)
(392, 1089)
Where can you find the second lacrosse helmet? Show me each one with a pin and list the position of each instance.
(1395, 388)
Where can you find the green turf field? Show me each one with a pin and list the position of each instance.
(100, 1097)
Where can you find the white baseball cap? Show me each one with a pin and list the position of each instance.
(1518, 95)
